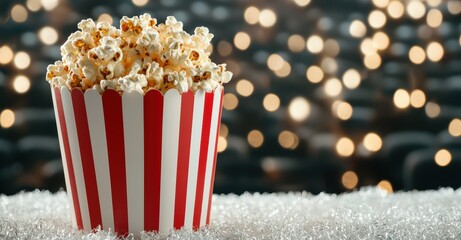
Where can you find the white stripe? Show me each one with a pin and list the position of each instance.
(133, 126)
(196, 133)
(210, 157)
(95, 115)
(76, 158)
(170, 138)
(64, 163)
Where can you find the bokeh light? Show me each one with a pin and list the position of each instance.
(33, 5)
(230, 101)
(454, 128)
(351, 78)
(296, 43)
(6, 54)
(454, 7)
(377, 19)
(368, 47)
(267, 18)
(244, 87)
(302, 3)
(21, 84)
(357, 29)
(224, 48)
(255, 138)
(345, 147)
(331, 47)
(349, 179)
(416, 9)
(443, 157)
(288, 140)
(395, 9)
(222, 144)
(401, 98)
(381, 3)
(22, 60)
(385, 185)
(19, 13)
(432, 109)
(372, 142)
(271, 102)
(314, 74)
(140, 3)
(48, 35)
(372, 61)
(434, 51)
(381, 40)
(275, 62)
(105, 18)
(251, 15)
(49, 5)
(417, 55)
(333, 87)
(314, 44)
(342, 110)
(417, 98)
(434, 18)
(223, 130)
(284, 71)
(299, 109)
(242, 40)
(7, 118)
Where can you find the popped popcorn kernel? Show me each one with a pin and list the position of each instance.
(139, 56)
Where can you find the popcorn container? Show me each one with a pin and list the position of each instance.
(137, 162)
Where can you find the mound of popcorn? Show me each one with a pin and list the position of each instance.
(140, 56)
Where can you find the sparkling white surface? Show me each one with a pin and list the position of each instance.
(366, 214)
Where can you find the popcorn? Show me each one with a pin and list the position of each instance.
(140, 56)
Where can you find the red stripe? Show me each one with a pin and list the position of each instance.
(70, 167)
(205, 138)
(113, 118)
(86, 153)
(185, 128)
(153, 118)
(214, 161)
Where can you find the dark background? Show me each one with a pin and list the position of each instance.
(382, 114)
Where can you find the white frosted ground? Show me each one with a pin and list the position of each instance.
(366, 214)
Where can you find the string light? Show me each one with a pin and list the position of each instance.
(222, 144)
(21, 60)
(21, 84)
(434, 18)
(314, 44)
(271, 102)
(417, 98)
(244, 88)
(351, 78)
(230, 101)
(349, 179)
(372, 142)
(19, 13)
(140, 3)
(299, 109)
(333, 87)
(385, 185)
(314, 74)
(49, 5)
(401, 98)
(7, 118)
(454, 128)
(345, 147)
(251, 15)
(242, 40)
(443, 158)
(417, 55)
(255, 138)
(33, 5)
(434, 51)
(296, 43)
(288, 140)
(6, 54)
(416, 9)
(267, 18)
(395, 9)
(357, 29)
(432, 109)
(48, 35)
(377, 19)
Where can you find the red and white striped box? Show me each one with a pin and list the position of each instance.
(137, 162)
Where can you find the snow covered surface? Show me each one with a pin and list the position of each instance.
(369, 213)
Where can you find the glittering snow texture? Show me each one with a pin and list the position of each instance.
(366, 214)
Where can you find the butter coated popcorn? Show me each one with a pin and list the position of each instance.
(140, 56)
